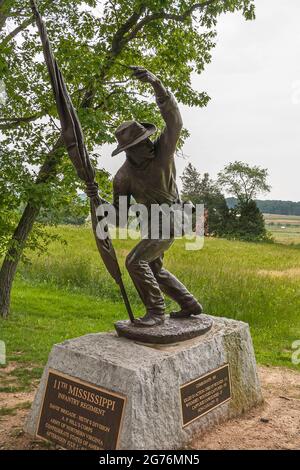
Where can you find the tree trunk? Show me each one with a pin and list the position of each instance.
(12, 258)
(21, 233)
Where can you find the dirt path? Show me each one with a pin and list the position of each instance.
(275, 425)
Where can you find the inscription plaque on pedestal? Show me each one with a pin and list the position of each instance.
(202, 395)
(78, 415)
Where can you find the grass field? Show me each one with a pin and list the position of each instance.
(284, 228)
(68, 293)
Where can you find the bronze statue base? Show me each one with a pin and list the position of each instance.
(172, 331)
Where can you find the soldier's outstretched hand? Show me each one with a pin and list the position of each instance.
(143, 74)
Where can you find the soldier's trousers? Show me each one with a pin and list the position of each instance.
(145, 266)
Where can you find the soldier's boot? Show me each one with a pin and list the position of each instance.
(150, 319)
(195, 309)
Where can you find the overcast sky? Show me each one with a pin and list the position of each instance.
(254, 112)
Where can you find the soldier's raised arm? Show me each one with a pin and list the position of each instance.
(168, 108)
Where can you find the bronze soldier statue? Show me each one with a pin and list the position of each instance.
(149, 175)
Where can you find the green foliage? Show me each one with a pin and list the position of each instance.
(243, 181)
(251, 223)
(203, 190)
(246, 222)
(74, 208)
(74, 213)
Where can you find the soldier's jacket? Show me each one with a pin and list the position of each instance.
(154, 182)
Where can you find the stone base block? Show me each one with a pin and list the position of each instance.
(149, 396)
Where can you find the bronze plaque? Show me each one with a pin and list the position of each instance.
(202, 395)
(77, 415)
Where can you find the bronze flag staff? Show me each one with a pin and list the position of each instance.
(74, 141)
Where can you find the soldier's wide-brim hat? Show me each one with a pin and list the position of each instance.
(131, 133)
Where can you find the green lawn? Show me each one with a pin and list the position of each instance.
(68, 293)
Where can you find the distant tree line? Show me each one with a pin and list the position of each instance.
(271, 206)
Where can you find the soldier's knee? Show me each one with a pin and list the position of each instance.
(161, 274)
(156, 267)
(133, 262)
(130, 262)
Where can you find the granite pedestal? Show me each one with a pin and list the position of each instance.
(159, 386)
